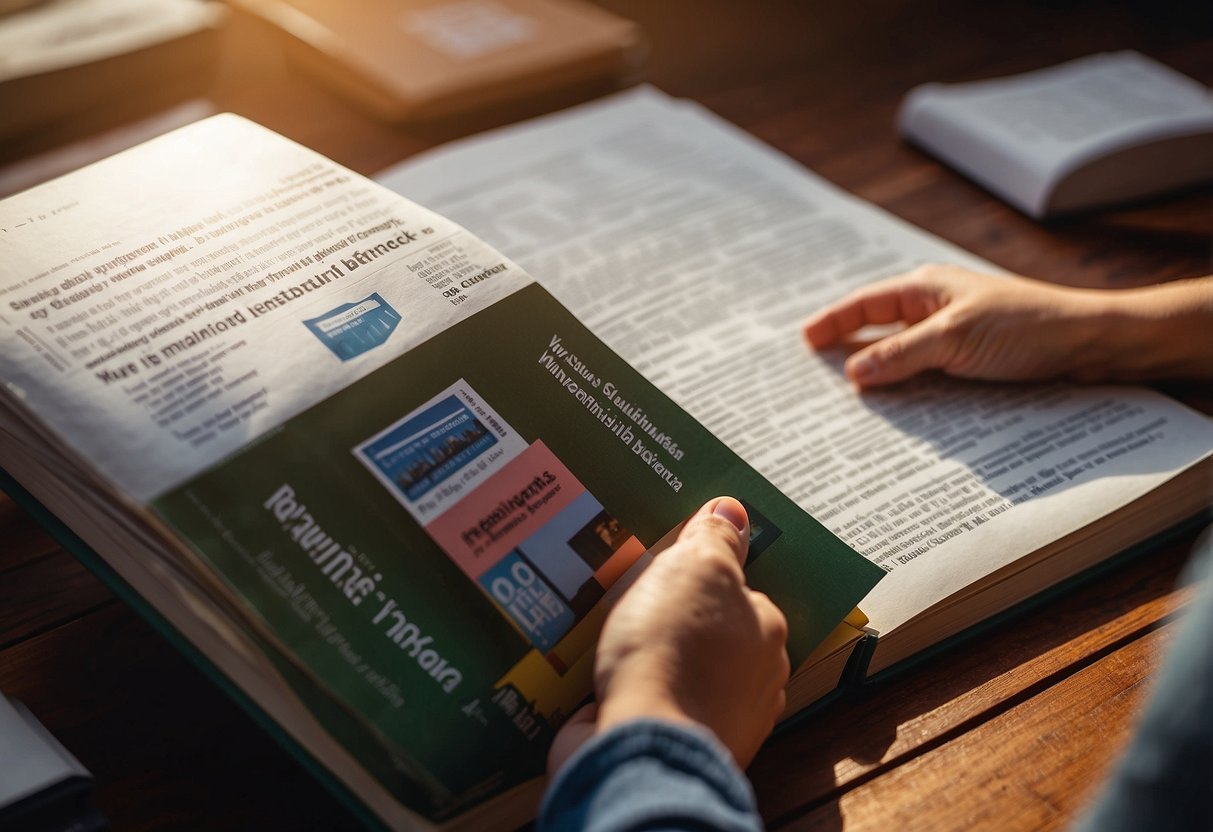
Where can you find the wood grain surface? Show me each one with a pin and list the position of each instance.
(1011, 731)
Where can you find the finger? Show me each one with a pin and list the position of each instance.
(720, 522)
(781, 703)
(906, 298)
(771, 620)
(924, 346)
(785, 669)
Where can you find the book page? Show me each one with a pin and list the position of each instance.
(227, 298)
(696, 252)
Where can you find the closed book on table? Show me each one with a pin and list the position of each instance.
(416, 59)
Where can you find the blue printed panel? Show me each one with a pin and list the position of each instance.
(420, 453)
(549, 547)
(354, 328)
(528, 601)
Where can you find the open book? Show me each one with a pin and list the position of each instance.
(369, 468)
(686, 246)
(972, 496)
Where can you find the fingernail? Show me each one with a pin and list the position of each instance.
(733, 511)
(862, 368)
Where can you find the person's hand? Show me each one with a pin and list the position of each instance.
(690, 643)
(963, 323)
(975, 325)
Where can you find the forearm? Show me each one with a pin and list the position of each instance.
(1156, 332)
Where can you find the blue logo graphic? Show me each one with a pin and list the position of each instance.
(528, 600)
(354, 328)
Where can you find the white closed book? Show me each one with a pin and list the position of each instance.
(1101, 130)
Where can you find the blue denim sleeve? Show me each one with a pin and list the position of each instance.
(1165, 779)
(653, 776)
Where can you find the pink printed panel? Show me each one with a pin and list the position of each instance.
(505, 510)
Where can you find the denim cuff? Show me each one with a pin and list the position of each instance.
(650, 775)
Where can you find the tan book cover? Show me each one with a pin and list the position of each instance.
(415, 59)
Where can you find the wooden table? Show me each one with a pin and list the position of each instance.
(1013, 732)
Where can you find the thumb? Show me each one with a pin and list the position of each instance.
(720, 522)
(921, 347)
